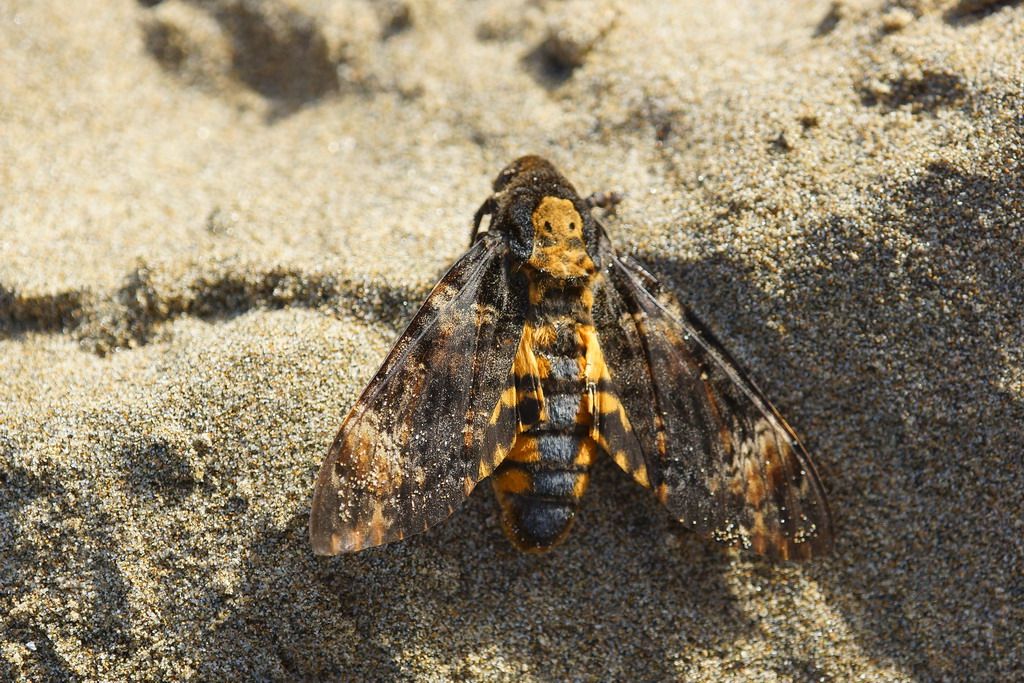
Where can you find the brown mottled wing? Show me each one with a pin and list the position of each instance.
(426, 429)
(716, 452)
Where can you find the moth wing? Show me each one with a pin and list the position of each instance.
(429, 425)
(714, 450)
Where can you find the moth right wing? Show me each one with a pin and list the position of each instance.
(430, 425)
(695, 429)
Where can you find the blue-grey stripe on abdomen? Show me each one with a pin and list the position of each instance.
(557, 450)
(562, 409)
(555, 484)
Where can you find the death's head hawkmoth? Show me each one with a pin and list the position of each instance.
(539, 351)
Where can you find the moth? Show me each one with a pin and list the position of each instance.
(539, 351)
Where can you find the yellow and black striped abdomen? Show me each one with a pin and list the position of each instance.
(540, 482)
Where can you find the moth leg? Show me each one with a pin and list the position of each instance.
(486, 209)
(604, 200)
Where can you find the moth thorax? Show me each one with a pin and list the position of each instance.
(559, 249)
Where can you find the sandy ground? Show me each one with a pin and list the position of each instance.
(216, 215)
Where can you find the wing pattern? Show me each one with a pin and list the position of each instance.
(430, 425)
(716, 452)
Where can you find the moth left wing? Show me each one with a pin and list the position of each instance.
(430, 425)
(698, 431)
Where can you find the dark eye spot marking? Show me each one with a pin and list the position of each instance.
(547, 225)
(572, 226)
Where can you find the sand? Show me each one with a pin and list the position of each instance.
(215, 217)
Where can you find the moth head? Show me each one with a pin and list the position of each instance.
(547, 225)
(524, 170)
